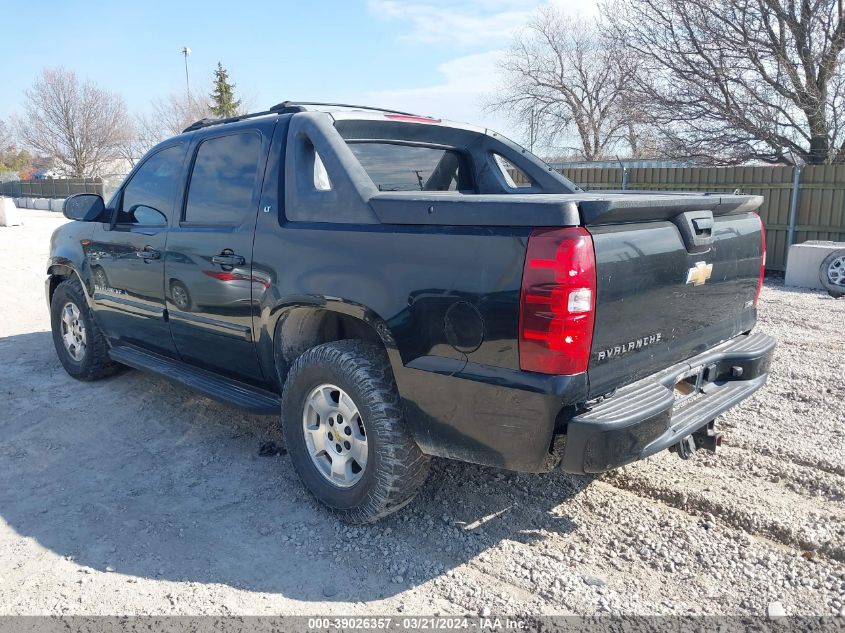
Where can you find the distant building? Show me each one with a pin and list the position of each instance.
(45, 174)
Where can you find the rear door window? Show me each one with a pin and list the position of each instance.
(223, 179)
(399, 167)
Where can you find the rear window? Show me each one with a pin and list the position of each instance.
(398, 167)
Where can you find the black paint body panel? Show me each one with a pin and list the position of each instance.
(438, 287)
(642, 291)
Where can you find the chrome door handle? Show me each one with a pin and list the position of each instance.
(228, 260)
(148, 253)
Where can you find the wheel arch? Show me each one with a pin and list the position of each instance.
(58, 272)
(299, 326)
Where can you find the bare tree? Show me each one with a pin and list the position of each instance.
(9, 155)
(6, 138)
(168, 117)
(144, 132)
(175, 112)
(567, 82)
(78, 124)
(733, 80)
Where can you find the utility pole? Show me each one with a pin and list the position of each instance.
(187, 51)
(531, 130)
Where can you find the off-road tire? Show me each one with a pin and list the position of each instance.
(834, 290)
(95, 363)
(395, 469)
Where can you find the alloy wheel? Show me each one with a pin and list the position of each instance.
(836, 271)
(73, 331)
(335, 435)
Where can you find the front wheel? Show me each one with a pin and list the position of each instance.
(81, 347)
(344, 430)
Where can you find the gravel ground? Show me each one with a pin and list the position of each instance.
(131, 496)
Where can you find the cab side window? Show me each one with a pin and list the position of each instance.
(148, 198)
(224, 179)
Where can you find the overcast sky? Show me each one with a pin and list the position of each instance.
(434, 57)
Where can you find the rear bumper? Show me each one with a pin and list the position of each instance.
(643, 418)
(484, 415)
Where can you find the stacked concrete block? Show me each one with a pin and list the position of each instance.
(9, 213)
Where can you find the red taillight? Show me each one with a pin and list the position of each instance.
(762, 260)
(557, 306)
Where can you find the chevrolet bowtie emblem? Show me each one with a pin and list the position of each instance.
(699, 273)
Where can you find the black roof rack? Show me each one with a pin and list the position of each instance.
(285, 107)
(206, 122)
(303, 105)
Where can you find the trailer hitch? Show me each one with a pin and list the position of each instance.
(706, 437)
(685, 448)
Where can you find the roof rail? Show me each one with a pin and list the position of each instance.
(299, 106)
(206, 122)
(285, 107)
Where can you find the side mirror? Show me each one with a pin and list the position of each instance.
(86, 207)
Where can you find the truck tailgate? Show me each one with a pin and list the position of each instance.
(667, 291)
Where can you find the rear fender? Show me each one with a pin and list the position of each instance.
(292, 327)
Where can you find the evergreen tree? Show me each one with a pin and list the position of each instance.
(223, 103)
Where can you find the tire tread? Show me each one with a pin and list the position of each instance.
(404, 467)
(97, 364)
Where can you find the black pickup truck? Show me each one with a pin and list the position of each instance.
(401, 287)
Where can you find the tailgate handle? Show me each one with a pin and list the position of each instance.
(696, 229)
(702, 225)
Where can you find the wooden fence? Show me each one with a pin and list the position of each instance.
(51, 187)
(819, 205)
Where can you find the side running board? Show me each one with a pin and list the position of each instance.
(231, 392)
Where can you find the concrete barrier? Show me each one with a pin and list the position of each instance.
(42, 204)
(9, 213)
(56, 204)
(802, 265)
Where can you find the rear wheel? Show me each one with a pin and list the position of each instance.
(81, 347)
(832, 273)
(335, 437)
(345, 433)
